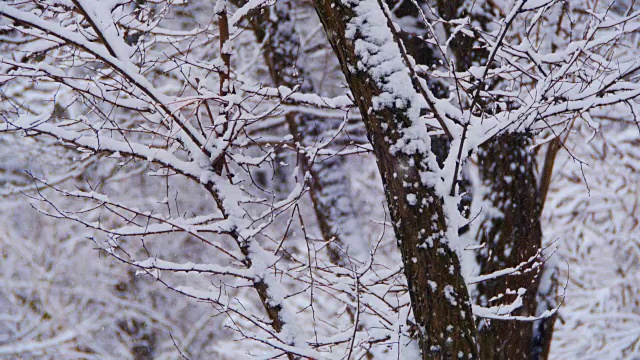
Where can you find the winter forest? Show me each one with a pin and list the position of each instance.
(320, 179)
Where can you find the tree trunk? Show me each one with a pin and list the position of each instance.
(513, 236)
(438, 292)
(329, 186)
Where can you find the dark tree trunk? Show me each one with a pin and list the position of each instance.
(512, 235)
(438, 291)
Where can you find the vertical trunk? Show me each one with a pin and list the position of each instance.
(547, 300)
(512, 235)
(329, 186)
(439, 296)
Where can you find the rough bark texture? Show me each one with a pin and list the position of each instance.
(512, 234)
(438, 292)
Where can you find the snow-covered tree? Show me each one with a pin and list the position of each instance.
(328, 179)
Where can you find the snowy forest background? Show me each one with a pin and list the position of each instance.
(194, 179)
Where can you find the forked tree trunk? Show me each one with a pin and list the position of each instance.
(439, 296)
(512, 230)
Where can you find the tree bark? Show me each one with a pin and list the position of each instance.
(512, 236)
(438, 292)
